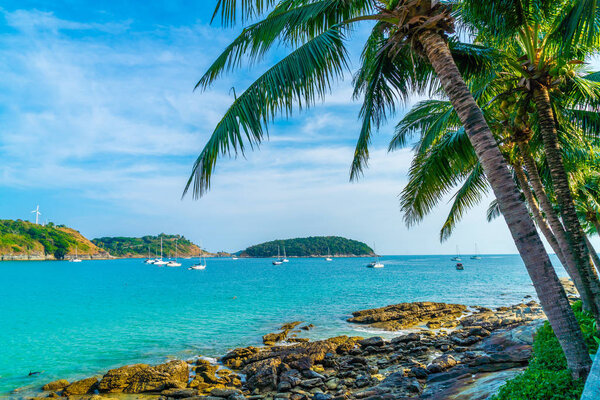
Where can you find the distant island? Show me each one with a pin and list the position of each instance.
(125, 247)
(314, 246)
(23, 240)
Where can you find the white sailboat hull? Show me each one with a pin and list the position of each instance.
(375, 265)
(197, 267)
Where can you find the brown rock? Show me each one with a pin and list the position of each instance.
(262, 374)
(290, 325)
(55, 385)
(406, 315)
(83, 386)
(160, 377)
(116, 380)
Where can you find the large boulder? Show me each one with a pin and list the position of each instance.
(441, 363)
(406, 315)
(83, 386)
(116, 380)
(164, 376)
(55, 385)
(141, 378)
(262, 374)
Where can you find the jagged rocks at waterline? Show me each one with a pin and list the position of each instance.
(485, 346)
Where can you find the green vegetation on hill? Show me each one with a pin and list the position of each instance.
(547, 376)
(310, 246)
(23, 237)
(138, 247)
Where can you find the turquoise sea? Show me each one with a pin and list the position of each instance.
(77, 320)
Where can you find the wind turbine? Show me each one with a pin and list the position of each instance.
(37, 214)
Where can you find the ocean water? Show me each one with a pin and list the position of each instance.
(77, 320)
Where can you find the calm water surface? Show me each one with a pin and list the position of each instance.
(76, 320)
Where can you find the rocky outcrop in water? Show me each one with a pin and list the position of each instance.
(407, 315)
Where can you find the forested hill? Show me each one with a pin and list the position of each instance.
(138, 247)
(314, 246)
(23, 240)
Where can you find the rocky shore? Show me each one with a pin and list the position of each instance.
(444, 351)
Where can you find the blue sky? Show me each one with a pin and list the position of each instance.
(100, 127)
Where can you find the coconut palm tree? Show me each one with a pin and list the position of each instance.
(552, 37)
(408, 37)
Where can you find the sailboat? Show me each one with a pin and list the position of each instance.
(76, 259)
(477, 256)
(375, 263)
(149, 260)
(278, 261)
(201, 265)
(174, 263)
(284, 259)
(328, 257)
(457, 258)
(159, 261)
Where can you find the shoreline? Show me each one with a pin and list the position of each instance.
(443, 341)
(94, 257)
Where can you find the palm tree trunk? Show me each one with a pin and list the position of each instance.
(549, 290)
(537, 214)
(558, 229)
(560, 181)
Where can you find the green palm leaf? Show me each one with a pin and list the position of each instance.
(301, 78)
(291, 22)
(469, 195)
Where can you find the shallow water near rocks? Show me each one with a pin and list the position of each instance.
(78, 320)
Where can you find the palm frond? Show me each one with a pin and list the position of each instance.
(384, 79)
(493, 211)
(301, 78)
(233, 10)
(435, 173)
(429, 118)
(579, 26)
(469, 195)
(292, 22)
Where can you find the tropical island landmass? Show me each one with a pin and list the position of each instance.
(149, 246)
(313, 246)
(23, 240)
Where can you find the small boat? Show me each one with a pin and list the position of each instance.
(174, 263)
(149, 260)
(477, 256)
(459, 266)
(159, 261)
(284, 259)
(202, 263)
(328, 257)
(279, 260)
(76, 259)
(375, 263)
(457, 258)
(234, 258)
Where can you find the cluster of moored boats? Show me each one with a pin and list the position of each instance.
(280, 260)
(458, 259)
(173, 263)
